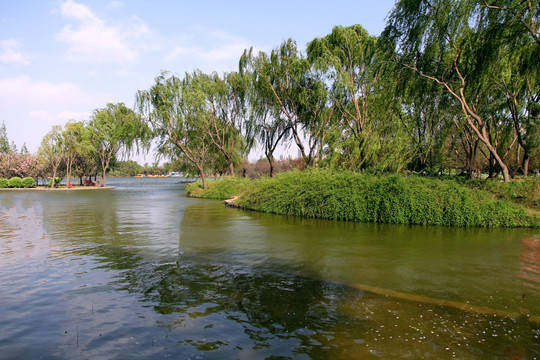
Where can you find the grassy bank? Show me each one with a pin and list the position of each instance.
(359, 197)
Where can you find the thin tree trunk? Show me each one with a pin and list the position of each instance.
(231, 167)
(53, 178)
(201, 172)
(102, 182)
(270, 158)
(525, 164)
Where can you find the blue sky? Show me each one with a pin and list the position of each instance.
(61, 59)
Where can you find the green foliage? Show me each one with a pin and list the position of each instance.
(127, 168)
(15, 182)
(57, 181)
(524, 191)
(219, 189)
(4, 141)
(28, 182)
(392, 199)
(3, 183)
(115, 129)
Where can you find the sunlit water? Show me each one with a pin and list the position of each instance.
(143, 272)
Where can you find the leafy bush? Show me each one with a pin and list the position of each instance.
(368, 198)
(15, 182)
(28, 182)
(57, 181)
(524, 191)
(3, 183)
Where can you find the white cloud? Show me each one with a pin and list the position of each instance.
(223, 49)
(74, 115)
(23, 90)
(50, 117)
(92, 40)
(114, 4)
(41, 115)
(10, 53)
(47, 102)
(29, 108)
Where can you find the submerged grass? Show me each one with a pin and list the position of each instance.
(392, 199)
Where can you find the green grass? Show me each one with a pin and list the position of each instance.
(525, 191)
(392, 199)
(220, 189)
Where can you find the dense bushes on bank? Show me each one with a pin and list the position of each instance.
(359, 197)
(524, 191)
(17, 183)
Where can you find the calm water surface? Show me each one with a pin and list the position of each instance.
(143, 272)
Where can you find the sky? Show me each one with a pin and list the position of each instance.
(62, 59)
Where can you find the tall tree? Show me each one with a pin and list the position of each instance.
(447, 41)
(115, 129)
(4, 141)
(361, 74)
(52, 150)
(297, 98)
(514, 27)
(177, 113)
(77, 143)
(270, 128)
(230, 127)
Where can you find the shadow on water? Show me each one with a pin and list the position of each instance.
(154, 274)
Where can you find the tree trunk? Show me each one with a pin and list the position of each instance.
(525, 164)
(104, 166)
(102, 182)
(53, 178)
(201, 172)
(231, 167)
(270, 158)
(68, 172)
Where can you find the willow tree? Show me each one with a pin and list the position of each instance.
(514, 27)
(269, 127)
(446, 41)
(77, 144)
(52, 149)
(115, 129)
(295, 99)
(177, 114)
(354, 66)
(285, 76)
(230, 127)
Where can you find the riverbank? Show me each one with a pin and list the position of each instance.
(392, 199)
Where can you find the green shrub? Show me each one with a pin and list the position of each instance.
(349, 196)
(524, 191)
(3, 183)
(28, 182)
(57, 181)
(15, 182)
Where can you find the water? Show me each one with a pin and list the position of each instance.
(144, 272)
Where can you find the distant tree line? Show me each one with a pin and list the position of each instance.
(79, 148)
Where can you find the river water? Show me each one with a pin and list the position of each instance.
(143, 272)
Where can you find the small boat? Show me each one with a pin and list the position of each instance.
(139, 175)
